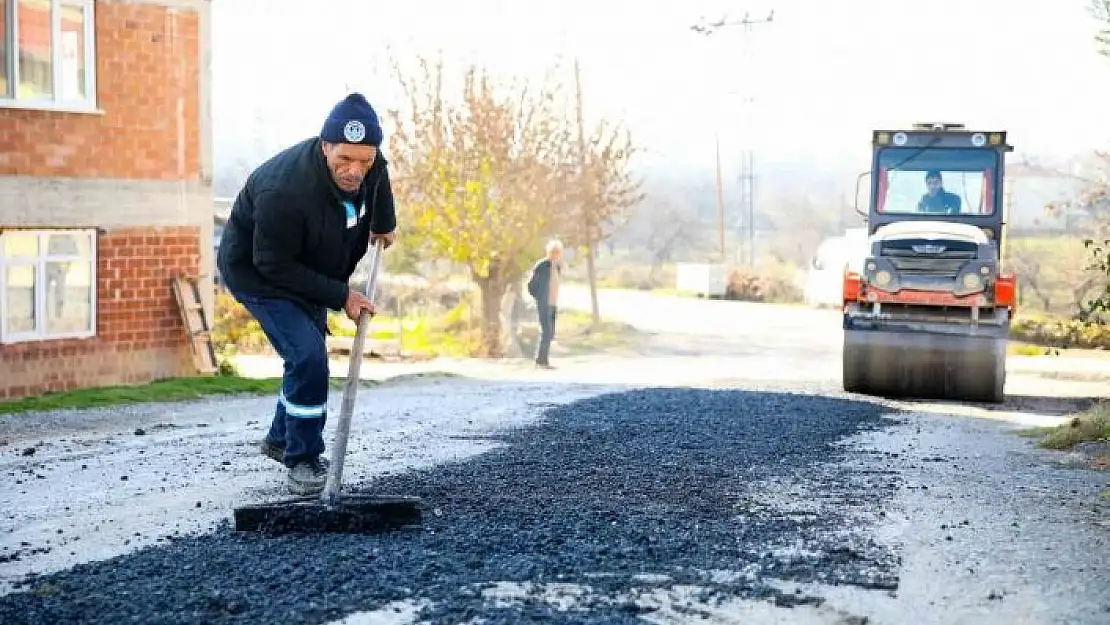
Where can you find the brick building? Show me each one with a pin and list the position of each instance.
(105, 188)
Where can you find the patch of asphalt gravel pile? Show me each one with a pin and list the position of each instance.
(659, 483)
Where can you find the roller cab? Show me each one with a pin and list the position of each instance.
(928, 312)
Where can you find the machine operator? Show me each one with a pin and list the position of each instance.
(936, 200)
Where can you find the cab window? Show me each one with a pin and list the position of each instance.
(936, 181)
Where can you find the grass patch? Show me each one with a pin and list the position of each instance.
(672, 292)
(1017, 348)
(174, 390)
(1091, 426)
(574, 332)
(171, 390)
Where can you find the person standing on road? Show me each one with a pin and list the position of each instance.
(543, 286)
(297, 230)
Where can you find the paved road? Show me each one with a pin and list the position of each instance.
(795, 344)
(714, 473)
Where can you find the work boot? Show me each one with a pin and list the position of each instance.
(276, 452)
(271, 450)
(308, 478)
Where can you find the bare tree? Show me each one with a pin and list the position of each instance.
(667, 229)
(1028, 266)
(1098, 196)
(799, 224)
(605, 192)
(1053, 270)
(1090, 177)
(1101, 11)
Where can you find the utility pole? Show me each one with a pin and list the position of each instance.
(747, 157)
(720, 201)
(586, 200)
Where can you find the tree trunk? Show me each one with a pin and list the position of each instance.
(1081, 292)
(491, 292)
(591, 273)
(510, 320)
(655, 268)
(1033, 289)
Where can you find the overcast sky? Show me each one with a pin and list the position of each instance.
(824, 72)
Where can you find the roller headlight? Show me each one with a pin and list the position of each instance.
(882, 274)
(972, 281)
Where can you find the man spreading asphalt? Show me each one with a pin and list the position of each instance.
(298, 228)
(543, 286)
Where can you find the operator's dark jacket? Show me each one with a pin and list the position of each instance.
(941, 203)
(288, 234)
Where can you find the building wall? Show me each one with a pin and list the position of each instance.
(139, 170)
(139, 331)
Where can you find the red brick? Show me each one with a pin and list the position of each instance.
(126, 327)
(141, 72)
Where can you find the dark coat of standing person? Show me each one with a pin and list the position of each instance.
(297, 230)
(543, 286)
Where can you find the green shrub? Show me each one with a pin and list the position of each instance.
(234, 329)
(1062, 333)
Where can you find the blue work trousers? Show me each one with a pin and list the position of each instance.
(300, 339)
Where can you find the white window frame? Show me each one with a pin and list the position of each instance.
(40, 261)
(11, 99)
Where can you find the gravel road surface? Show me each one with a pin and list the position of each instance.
(711, 474)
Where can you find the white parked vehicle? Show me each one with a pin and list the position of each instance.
(825, 279)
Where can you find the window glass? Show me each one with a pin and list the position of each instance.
(20, 245)
(4, 50)
(19, 298)
(69, 293)
(49, 284)
(36, 65)
(68, 244)
(72, 83)
(937, 181)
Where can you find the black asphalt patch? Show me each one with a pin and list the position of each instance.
(658, 482)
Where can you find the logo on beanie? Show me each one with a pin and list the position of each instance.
(354, 131)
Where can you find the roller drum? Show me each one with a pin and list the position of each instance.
(923, 365)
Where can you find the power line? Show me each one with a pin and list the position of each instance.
(747, 156)
(708, 28)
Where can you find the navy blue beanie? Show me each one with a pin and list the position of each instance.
(353, 120)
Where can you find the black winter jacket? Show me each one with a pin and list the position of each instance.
(539, 285)
(289, 235)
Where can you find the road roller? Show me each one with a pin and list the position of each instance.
(928, 311)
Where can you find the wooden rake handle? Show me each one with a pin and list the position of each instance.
(330, 496)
